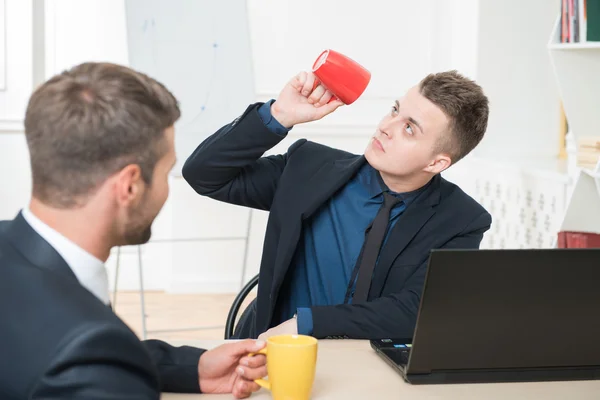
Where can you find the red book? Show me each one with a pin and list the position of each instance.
(578, 240)
(564, 19)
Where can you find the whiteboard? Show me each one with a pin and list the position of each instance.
(200, 50)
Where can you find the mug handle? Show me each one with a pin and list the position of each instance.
(261, 382)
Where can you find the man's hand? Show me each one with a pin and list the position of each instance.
(228, 369)
(298, 102)
(289, 327)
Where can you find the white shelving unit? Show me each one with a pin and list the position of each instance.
(577, 71)
(583, 209)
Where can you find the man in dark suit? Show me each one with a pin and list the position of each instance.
(100, 138)
(348, 236)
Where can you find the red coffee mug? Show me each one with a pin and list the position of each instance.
(342, 76)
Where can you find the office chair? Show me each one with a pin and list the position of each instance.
(235, 306)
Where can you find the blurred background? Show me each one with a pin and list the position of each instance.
(534, 170)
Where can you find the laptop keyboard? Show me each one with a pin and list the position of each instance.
(399, 356)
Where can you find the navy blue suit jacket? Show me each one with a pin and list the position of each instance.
(58, 341)
(229, 166)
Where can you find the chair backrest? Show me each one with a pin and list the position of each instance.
(235, 306)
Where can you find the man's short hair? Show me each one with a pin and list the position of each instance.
(465, 104)
(88, 123)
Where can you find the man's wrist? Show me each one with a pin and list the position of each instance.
(281, 116)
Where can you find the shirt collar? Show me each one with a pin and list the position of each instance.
(371, 179)
(89, 270)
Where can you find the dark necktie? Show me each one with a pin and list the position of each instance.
(372, 246)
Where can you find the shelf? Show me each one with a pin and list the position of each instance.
(555, 44)
(575, 46)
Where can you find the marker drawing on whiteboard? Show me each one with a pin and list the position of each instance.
(210, 88)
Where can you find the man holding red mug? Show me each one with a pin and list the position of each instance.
(348, 238)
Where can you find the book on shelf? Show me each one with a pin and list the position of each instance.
(588, 152)
(590, 142)
(579, 21)
(578, 240)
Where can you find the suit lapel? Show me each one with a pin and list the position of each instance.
(323, 184)
(328, 180)
(35, 249)
(409, 224)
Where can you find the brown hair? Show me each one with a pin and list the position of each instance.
(465, 104)
(91, 121)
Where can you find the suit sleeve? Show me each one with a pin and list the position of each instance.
(228, 166)
(177, 366)
(99, 362)
(394, 315)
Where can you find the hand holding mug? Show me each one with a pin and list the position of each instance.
(336, 79)
(303, 99)
(291, 366)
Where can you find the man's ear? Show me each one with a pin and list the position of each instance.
(129, 185)
(440, 163)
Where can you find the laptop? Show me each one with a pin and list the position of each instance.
(503, 316)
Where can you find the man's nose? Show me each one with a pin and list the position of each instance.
(388, 127)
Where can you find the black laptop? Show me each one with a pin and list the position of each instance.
(504, 316)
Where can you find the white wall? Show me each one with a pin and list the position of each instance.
(390, 38)
(83, 30)
(14, 165)
(513, 67)
(455, 38)
(502, 45)
(18, 63)
(199, 244)
(2, 47)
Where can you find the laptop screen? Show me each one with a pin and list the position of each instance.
(503, 309)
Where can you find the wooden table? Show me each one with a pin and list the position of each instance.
(350, 369)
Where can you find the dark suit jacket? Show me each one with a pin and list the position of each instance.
(58, 341)
(229, 166)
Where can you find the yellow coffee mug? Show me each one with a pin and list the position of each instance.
(291, 364)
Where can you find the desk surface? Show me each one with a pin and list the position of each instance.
(350, 369)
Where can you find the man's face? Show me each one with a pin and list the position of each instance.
(406, 140)
(138, 227)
